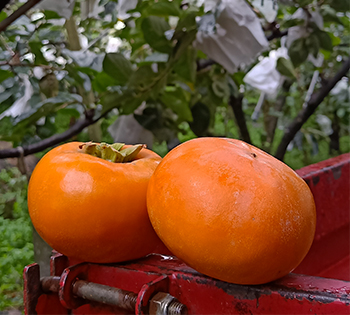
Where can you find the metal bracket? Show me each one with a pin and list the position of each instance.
(160, 284)
(66, 283)
(58, 263)
(31, 288)
(74, 291)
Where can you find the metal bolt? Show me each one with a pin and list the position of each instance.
(160, 304)
(177, 308)
(105, 294)
(165, 304)
(50, 284)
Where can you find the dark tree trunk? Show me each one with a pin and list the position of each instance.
(334, 145)
(236, 104)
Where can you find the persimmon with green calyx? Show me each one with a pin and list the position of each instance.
(88, 201)
(231, 211)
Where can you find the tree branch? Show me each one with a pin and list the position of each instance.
(29, 65)
(51, 141)
(277, 34)
(204, 63)
(236, 104)
(277, 107)
(18, 13)
(315, 100)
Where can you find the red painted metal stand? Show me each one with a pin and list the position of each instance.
(160, 285)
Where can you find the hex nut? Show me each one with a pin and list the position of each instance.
(159, 304)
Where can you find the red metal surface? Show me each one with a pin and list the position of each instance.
(294, 294)
(329, 182)
(320, 285)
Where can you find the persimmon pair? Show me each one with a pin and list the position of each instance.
(226, 208)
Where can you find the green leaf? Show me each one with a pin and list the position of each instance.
(118, 67)
(178, 102)
(164, 9)
(47, 129)
(186, 23)
(146, 83)
(184, 41)
(51, 15)
(6, 126)
(324, 39)
(88, 71)
(154, 28)
(201, 119)
(345, 21)
(150, 118)
(102, 81)
(159, 85)
(339, 5)
(238, 77)
(126, 101)
(134, 36)
(330, 15)
(298, 51)
(293, 22)
(5, 74)
(341, 112)
(186, 67)
(128, 107)
(35, 48)
(71, 112)
(285, 67)
(304, 3)
(185, 34)
(5, 96)
(74, 74)
(312, 44)
(157, 120)
(44, 108)
(112, 100)
(326, 54)
(335, 39)
(143, 78)
(3, 16)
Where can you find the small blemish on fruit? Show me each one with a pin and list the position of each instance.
(253, 155)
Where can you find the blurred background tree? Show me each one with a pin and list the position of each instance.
(272, 73)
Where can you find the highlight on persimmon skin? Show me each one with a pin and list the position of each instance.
(92, 209)
(231, 211)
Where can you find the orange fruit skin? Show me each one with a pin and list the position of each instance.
(92, 209)
(231, 211)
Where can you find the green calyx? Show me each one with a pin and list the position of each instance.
(112, 152)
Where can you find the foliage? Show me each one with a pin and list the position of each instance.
(16, 247)
(119, 59)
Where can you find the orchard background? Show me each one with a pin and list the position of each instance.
(272, 73)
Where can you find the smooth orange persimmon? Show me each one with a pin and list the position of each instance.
(90, 208)
(231, 211)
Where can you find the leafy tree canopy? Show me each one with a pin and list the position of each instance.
(272, 73)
